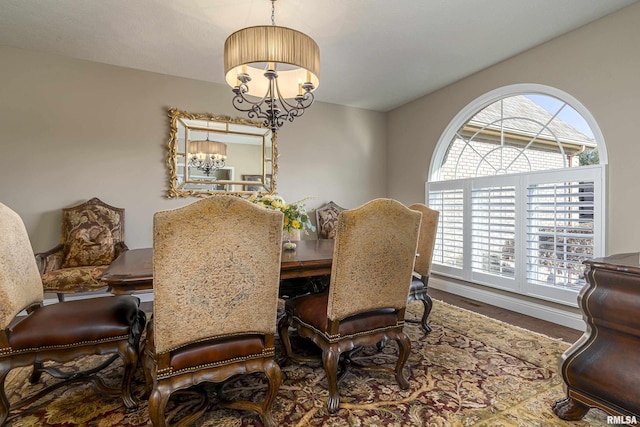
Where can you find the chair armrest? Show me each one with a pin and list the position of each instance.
(49, 260)
(120, 247)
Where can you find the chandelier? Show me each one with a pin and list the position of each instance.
(208, 156)
(273, 72)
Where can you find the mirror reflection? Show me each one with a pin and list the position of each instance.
(212, 154)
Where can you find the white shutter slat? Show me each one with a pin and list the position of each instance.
(560, 233)
(493, 230)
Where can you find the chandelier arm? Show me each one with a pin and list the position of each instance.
(207, 165)
(253, 111)
(293, 111)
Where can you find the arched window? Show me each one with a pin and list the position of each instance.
(519, 178)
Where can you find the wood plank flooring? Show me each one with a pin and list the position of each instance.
(527, 322)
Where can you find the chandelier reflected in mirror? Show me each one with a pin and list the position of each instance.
(207, 156)
(273, 72)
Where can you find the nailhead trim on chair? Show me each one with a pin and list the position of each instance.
(338, 337)
(9, 351)
(169, 372)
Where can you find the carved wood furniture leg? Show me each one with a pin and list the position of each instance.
(274, 377)
(157, 404)
(130, 359)
(428, 305)
(404, 345)
(330, 361)
(36, 373)
(570, 409)
(283, 331)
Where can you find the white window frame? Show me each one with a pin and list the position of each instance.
(597, 173)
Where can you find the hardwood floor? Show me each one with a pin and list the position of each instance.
(527, 322)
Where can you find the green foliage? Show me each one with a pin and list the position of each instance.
(589, 156)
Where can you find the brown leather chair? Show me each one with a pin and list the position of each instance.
(59, 332)
(372, 266)
(426, 244)
(216, 269)
(92, 237)
(327, 219)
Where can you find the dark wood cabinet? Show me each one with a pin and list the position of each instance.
(602, 369)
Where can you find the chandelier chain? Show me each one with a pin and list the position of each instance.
(273, 12)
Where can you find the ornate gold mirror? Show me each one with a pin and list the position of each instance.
(217, 154)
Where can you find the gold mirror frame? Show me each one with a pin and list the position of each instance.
(181, 184)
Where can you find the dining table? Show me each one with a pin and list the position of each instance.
(132, 271)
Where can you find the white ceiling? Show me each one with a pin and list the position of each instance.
(375, 54)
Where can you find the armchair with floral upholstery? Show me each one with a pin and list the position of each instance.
(92, 237)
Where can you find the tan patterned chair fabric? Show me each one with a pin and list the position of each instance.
(20, 284)
(327, 219)
(92, 237)
(372, 267)
(58, 332)
(426, 245)
(216, 269)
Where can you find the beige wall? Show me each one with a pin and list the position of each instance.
(73, 129)
(597, 64)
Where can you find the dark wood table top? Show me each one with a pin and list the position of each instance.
(133, 270)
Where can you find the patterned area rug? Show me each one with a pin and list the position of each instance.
(470, 371)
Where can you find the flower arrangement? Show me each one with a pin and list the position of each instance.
(295, 214)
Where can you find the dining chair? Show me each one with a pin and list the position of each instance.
(326, 219)
(92, 237)
(371, 273)
(426, 244)
(58, 332)
(216, 270)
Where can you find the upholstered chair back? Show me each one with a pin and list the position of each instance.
(327, 220)
(91, 233)
(216, 269)
(20, 284)
(93, 212)
(373, 259)
(427, 239)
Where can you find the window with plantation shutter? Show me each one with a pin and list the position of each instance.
(493, 230)
(448, 247)
(519, 179)
(560, 233)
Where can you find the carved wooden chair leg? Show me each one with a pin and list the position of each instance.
(147, 367)
(330, 361)
(404, 345)
(274, 378)
(130, 360)
(381, 344)
(157, 403)
(36, 373)
(283, 331)
(427, 302)
(570, 409)
(428, 305)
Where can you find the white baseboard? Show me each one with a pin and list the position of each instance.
(513, 303)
